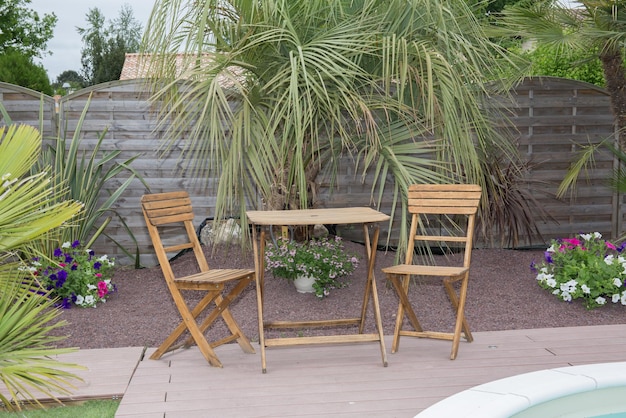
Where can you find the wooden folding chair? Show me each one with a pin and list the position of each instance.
(454, 204)
(174, 208)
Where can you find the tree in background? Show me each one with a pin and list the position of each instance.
(23, 30)
(105, 46)
(69, 76)
(576, 65)
(597, 29)
(19, 69)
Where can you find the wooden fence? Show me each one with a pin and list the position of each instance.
(552, 117)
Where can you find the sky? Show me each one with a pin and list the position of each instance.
(66, 43)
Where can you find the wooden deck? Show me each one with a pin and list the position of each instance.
(333, 380)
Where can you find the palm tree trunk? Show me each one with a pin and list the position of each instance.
(615, 76)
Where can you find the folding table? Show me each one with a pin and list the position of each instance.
(370, 219)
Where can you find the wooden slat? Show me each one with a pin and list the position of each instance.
(548, 116)
(349, 215)
(321, 339)
(348, 378)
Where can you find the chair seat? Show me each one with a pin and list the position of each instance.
(215, 276)
(425, 270)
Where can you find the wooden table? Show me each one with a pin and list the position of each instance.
(369, 218)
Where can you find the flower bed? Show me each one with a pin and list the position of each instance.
(589, 268)
(76, 276)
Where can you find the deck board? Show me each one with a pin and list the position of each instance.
(342, 380)
(349, 380)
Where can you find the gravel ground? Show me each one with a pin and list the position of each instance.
(502, 295)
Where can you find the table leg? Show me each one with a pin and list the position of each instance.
(258, 245)
(370, 288)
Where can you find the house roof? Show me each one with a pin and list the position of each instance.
(136, 65)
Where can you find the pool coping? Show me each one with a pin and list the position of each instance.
(512, 395)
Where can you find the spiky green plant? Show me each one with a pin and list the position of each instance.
(27, 211)
(83, 175)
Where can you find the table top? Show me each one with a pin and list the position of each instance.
(350, 215)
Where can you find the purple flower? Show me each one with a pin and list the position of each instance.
(66, 303)
(68, 258)
(97, 265)
(76, 244)
(58, 252)
(61, 278)
(548, 256)
(533, 267)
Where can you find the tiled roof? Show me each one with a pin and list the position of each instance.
(135, 65)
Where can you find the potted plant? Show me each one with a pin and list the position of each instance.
(321, 262)
(589, 268)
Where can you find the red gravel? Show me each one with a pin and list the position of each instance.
(502, 295)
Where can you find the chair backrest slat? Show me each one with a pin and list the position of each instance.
(166, 208)
(162, 209)
(443, 201)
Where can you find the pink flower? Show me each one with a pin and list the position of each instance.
(102, 289)
(611, 246)
(99, 275)
(571, 242)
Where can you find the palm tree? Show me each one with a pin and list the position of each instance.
(27, 362)
(395, 87)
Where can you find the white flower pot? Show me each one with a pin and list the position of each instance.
(304, 284)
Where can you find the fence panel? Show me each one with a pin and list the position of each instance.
(551, 119)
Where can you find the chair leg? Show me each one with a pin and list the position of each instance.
(460, 316)
(189, 323)
(233, 326)
(401, 285)
(221, 308)
(454, 300)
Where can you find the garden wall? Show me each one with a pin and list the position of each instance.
(551, 117)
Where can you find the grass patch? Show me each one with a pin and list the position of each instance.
(83, 409)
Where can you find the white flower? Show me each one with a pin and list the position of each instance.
(89, 300)
(597, 235)
(66, 244)
(569, 286)
(617, 282)
(615, 298)
(623, 298)
(79, 300)
(91, 287)
(600, 300)
(609, 259)
(567, 297)
(585, 289)
(586, 237)
(544, 277)
(551, 249)
(556, 292)
(551, 282)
